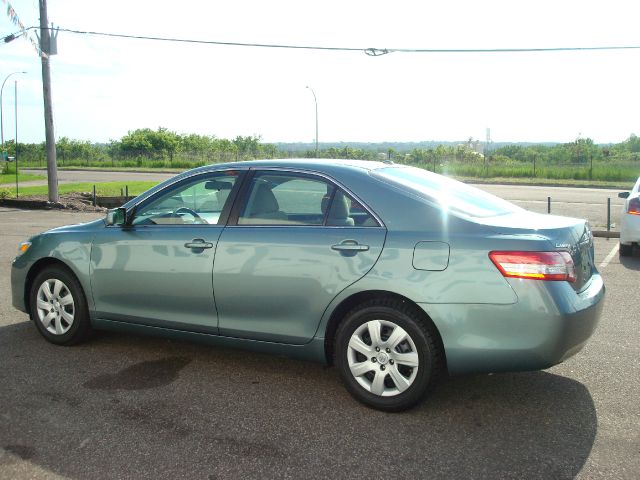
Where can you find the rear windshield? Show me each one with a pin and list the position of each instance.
(450, 194)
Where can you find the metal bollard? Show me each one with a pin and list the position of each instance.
(608, 214)
(94, 196)
(548, 204)
(126, 193)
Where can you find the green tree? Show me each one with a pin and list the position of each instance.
(632, 144)
(151, 143)
(63, 149)
(246, 147)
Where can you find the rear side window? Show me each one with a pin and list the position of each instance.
(347, 212)
(282, 199)
(447, 193)
(299, 199)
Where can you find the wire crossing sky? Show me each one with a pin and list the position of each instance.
(372, 51)
(529, 70)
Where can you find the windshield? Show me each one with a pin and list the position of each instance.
(450, 194)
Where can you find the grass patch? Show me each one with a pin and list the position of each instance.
(616, 174)
(8, 175)
(106, 189)
(10, 178)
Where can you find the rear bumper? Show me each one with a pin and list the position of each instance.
(629, 228)
(549, 323)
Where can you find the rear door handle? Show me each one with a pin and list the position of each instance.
(350, 246)
(198, 243)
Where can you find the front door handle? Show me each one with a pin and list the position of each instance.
(198, 243)
(350, 246)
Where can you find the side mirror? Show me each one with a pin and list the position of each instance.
(116, 216)
(623, 195)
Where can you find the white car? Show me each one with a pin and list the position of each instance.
(630, 220)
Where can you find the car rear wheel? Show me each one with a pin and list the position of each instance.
(387, 356)
(626, 250)
(58, 307)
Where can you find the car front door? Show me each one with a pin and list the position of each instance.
(292, 244)
(157, 269)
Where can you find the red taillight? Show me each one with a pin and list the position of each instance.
(634, 206)
(535, 265)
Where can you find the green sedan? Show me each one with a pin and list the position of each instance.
(395, 275)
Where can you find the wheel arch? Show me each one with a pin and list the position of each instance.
(36, 268)
(349, 303)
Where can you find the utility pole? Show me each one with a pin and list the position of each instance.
(45, 47)
(15, 106)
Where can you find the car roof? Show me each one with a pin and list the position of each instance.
(318, 164)
(330, 166)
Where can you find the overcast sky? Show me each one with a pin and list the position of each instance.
(103, 87)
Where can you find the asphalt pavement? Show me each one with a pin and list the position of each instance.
(81, 176)
(124, 406)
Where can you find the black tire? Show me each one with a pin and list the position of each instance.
(423, 336)
(77, 330)
(626, 250)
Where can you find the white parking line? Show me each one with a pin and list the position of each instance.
(612, 254)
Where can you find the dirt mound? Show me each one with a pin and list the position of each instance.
(70, 201)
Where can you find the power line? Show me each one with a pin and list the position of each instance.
(371, 51)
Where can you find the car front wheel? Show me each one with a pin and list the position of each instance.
(58, 307)
(387, 356)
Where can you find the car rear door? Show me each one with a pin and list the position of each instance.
(293, 242)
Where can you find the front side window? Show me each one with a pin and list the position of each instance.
(199, 201)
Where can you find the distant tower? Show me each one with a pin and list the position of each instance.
(488, 142)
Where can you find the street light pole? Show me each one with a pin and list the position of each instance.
(316, 102)
(1, 117)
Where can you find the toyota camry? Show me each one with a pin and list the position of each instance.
(395, 275)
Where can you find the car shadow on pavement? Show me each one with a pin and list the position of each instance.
(631, 263)
(140, 407)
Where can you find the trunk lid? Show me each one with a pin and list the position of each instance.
(563, 233)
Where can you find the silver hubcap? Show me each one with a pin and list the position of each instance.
(55, 306)
(383, 358)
